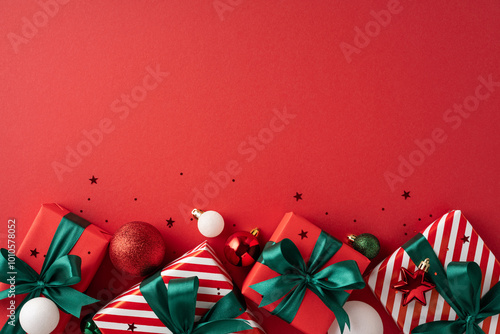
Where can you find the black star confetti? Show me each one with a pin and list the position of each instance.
(170, 222)
(303, 234)
(131, 327)
(465, 239)
(298, 196)
(406, 194)
(93, 180)
(34, 252)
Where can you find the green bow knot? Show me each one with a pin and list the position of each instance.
(175, 306)
(59, 272)
(54, 283)
(329, 284)
(460, 286)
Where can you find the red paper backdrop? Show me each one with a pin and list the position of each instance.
(362, 95)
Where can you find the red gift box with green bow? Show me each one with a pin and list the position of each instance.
(57, 259)
(304, 274)
(464, 271)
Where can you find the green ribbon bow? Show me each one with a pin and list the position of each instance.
(296, 277)
(176, 307)
(460, 287)
(58, 273)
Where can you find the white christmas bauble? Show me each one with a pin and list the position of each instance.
(364, 320)
(210, 224)
(39, 315)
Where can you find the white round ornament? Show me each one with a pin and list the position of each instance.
(39, 315)
(210, 223)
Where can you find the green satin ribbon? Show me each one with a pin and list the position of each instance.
(59, 272)
(176, 307)
(329, 284)
(460, 287)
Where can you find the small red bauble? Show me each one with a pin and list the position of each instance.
(137, 248)
(242, 248)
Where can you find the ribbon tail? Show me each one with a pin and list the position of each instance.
(342, 318)
(331, 298)
(68, 299)
(223, 326)
(275, 288)
(289, 306)
(441, 327)
(231, 305)
(490, 303)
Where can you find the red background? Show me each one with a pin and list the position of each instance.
(227, 73)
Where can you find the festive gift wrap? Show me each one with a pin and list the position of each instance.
(465, 298)
(57, 259)
(149, 308)
(304, 276)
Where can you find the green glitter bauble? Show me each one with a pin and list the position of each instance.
(88, 325)
(367, 244)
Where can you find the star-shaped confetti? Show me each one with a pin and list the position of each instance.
(131, 327)
(34, 252)
(465, 238)
(413, 286)
(93, 180)
(303, 234)
(406, 194)
(170, 222)
(298, 196)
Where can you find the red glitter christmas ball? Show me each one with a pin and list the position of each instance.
(242, 248)
(137, 248)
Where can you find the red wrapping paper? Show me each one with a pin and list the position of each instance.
(453, 239)
(313, 316)
(130, 308)
(91, 247)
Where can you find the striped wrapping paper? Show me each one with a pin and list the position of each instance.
(130, 310)
(448, 236)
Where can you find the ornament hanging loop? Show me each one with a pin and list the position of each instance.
(424, 265)
(197, 213)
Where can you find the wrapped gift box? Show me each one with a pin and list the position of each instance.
(304, 235)
(91, 248)
(453, 239)
(131, 308)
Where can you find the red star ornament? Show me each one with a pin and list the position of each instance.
(414, 285)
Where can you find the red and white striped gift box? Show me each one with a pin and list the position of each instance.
(130, 309)
(453, 239)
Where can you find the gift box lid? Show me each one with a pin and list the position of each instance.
(453, 239)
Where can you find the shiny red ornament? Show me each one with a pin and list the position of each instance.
(414, 285)
(137, 248)
(242, 248)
